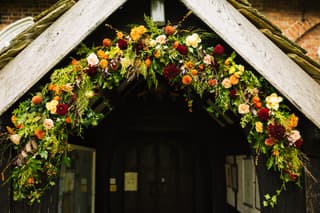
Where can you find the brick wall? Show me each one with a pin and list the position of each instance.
(12, 10)
(299, 20)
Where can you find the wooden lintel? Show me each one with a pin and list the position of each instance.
(285, 75)
(27, 68)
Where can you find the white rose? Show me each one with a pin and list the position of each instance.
(92, 59)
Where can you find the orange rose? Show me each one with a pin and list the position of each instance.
(194, 72)
(39, 133)
(234, 79)
(147, 62)
(68, 120)
(106, 42)
(169, 30)
(37, 99)
(186, 79)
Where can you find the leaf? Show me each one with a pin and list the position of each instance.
(43, 154)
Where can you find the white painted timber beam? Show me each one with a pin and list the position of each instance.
(285, 75)
(27, 68)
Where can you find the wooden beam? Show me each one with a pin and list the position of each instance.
(285, 75)
(18, 76)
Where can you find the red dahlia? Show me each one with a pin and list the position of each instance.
(264, 114)
(62, 109)
(170, 71)
(218, 49)
(276, 131)
(123, 44)
(233, 93)
(182, 49)
(298, 143)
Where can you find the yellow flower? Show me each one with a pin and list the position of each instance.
(240, 69)
(119, 35)
(103, 63)
(293, 120)
(259, 126)
(157, 53)
(232, 70)
(52, 106)
(137, 32)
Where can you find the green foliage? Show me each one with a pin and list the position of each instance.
(190, 61)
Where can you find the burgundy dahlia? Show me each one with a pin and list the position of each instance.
(170, 71)
(91, 71)
(139, 46)
(182, 49)
(62, 109)
(233, 93)
(264, 114)
(298, 143)
(123, 44)
(276, 131)
(218, 49)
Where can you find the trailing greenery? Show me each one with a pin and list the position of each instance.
(192, 64)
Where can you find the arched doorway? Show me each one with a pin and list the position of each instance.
(153, 155)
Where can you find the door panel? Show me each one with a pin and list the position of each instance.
(165, 176)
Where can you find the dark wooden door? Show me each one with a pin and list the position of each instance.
(168, 178)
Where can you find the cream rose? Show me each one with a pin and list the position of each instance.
(161, 39)
(52, 106)
(15, 138)
(207, 59)
(193, 40)
(226, 83)
(294, 136)
(243, 108)
(273, 101)
(48, 123)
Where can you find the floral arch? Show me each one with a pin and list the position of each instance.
(189, 60)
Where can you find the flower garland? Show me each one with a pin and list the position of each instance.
(191, 63)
